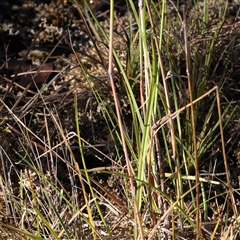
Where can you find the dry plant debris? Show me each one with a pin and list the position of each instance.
(50, 61)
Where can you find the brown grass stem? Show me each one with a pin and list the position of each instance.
(119, 117)
(198, 217)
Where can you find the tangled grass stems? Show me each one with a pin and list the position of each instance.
(157, 143)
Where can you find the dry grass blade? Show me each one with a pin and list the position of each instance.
(188, 70)
(119, 117)
(128, 127)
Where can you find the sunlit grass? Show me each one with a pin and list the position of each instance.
(173, 126)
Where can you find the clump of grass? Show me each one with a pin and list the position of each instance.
(156, 159)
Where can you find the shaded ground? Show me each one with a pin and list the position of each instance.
(51, 35)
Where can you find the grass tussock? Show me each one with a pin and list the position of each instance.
(139, 146)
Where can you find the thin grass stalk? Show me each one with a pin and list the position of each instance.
(204, 199)
(86, 9)
(142, 149)
(162, 29)
(152, 164)
(175, 204)
(230, 191)
(179, 134)
(187, 53)
(132, 98)
(187, 106)
(209, 54)
(79, 212)
(4, 181)
(158, 45)
(48, 139)
(21, 196)
(57, 215)
(97, 94)
(120, 123)
(146, 155)
(177, 181)
(192, 178)
(83, 160)
(208, 141)
(172, 205)
(22, 234)
(43, 177)
(110, 118)
(156, 64)
(153, 161)
(143, 106)
(86, 172)
(142, 94)
(175, 156)
(205, 13)
(78, 169)
(35, 205)
(46, 223)
(143, 36)
(145, 151)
